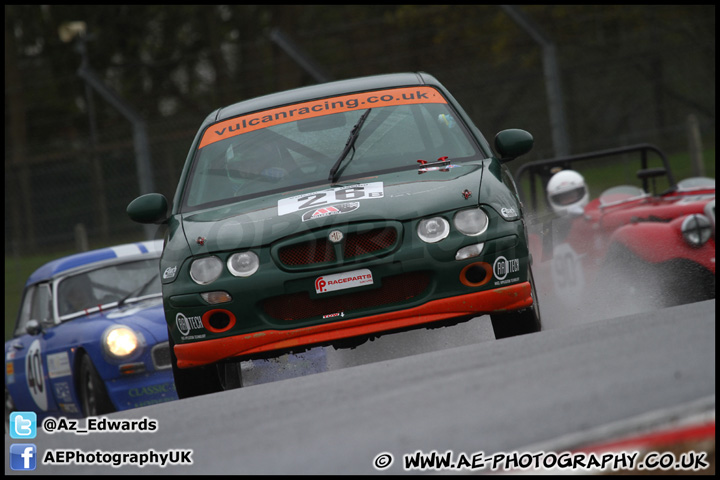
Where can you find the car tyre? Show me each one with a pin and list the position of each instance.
(191, 382)
(93, 395)
(520, 322)
(230, 375)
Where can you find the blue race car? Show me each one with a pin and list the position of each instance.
(90, 336)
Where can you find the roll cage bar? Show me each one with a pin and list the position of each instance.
(542, 168)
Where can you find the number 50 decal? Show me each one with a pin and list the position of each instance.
(330, 196)
(35, 375)
(567, 274)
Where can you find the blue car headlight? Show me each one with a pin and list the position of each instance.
(120, 341)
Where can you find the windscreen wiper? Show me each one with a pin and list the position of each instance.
(348, 145)
(137, 291)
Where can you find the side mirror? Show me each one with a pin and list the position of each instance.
(512, 143)
(33, 327)
(149, 208)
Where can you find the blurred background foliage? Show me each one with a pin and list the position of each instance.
(629, 74)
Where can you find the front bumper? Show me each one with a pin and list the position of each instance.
(512, 297)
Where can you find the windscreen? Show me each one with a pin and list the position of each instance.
(298, 145)
(103, 286)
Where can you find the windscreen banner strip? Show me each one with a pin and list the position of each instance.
(317, 108)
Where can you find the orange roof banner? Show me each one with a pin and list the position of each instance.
(317, 108)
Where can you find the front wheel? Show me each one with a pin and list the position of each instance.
(191, 382)
(93, 395)
(519, 322)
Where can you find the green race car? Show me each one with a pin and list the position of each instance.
(334, 213)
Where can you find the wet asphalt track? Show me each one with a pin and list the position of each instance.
(453, 389)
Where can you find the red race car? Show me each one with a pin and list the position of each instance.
(651, 243)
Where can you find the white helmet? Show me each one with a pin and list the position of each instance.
(567, 191)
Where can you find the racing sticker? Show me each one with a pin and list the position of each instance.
(62, 392)
(341, 281)
(170, 272)
(330, 210)
(186, 324)
(502, 267)
(35, 375)
(508, 212)
(330, 196)
(317, 108)
(58, 365)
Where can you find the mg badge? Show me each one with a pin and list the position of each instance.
(335, 236)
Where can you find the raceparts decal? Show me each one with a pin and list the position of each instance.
(58, 365)
(502, 267)
(330, 210)
(35, 375)
(330, 196)
(318, 108)
(341, 281)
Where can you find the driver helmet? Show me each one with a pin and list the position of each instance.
(567, 191)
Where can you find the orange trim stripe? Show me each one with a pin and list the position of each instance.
(508, 298)
(317, 108)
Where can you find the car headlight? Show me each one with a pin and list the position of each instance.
(471, 222)
(432, 230)
(206, 270)
(243, 264)
(696, 229)
(120, 341)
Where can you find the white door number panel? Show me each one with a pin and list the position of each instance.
(567, 274)
(35, 375)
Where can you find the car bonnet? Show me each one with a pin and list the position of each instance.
(397, 196)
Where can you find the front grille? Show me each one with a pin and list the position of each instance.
(161, 356)
(299, 306)
(369, 242)
(321, 250)
(308, 253)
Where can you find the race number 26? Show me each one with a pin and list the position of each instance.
(330, 196)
